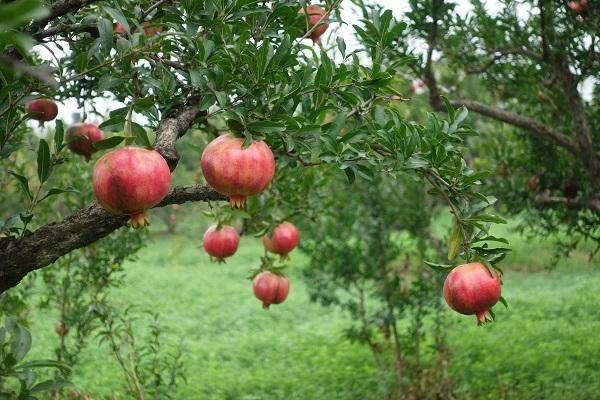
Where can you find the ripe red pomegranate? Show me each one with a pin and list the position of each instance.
(237, 172)
(81, 139)
(284, 239)
(119, 28)
(270, 288)
(578, 6)
(315, 13)
(131, 180)
(42, 110)
(221, 243)
(469, 289)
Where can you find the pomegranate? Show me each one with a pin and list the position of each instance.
(470, 289)
(119, 28)
(315, 13)
(131, 180)
(578, 6)
(42, 110)
(81, 139)
(284, 239)
(237, 172)
(270, 288)
(221, 243)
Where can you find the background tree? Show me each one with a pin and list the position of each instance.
(530, 70)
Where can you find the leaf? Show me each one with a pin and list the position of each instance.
(117, 15)
(350, 174)
(17, 13)
(109, 143)
(43, 161)
(491, 239)
(45, 364)
(503, 301)
(140, 135)
(486, 218)
(55, 191)
(59, 135)
(23, 182)
(20, 343)
(455, 241)
(445, 268)
(449, 109)
(50, 385)
(263, 127)
(113, 124)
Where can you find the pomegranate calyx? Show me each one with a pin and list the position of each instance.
(483, 317)
(139, 220)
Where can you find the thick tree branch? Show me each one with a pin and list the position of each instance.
(57, 10)
(20, 256)
(591, 204)
(539, 129)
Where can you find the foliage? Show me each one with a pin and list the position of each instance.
(538, 61)
(19, 378)
(150, 372)
(366, 257)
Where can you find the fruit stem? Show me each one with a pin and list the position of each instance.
(266, 306)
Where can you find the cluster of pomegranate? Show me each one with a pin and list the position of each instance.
(239, 172)
(470, 289)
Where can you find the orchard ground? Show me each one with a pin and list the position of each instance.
(546, 346)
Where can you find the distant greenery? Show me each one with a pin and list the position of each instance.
(545, 346)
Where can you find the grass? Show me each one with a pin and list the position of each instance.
(546, 346)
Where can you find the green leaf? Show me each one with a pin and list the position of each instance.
(23, 182)
(45, 364)
(19, 12)
(445, 268)
(114, 124)
(117, 15)
(20, 342)
(486, 218)
(59, 135)
(503, 301)
(55, 191)
(109, 143)
(455, 241)
(350, 174)
(50, 385)
(140, 135)
(43, 161)
(263, 127)
(491, 239)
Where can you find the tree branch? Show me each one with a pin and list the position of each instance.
(20, 256)
(592, 203)
(539, 129)
(58, 9)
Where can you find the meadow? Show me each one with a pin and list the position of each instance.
(545, 346)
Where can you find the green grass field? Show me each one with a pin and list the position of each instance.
(546, 346)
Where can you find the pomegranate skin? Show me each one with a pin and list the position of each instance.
(131, 180)
(470, 290)
(270, 288)
(42, 110)
(314, 15)
(81, 138)
(221, 243)
(237, 172)
(284, 239)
